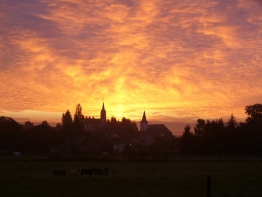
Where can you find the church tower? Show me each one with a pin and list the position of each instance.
(103, 115)
(143, 123)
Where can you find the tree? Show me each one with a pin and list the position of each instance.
(188, 141)
(254, 118)
(128, 128)
(10, 132)
(79, 119)
(231, 123)
(28, 126)
(187, 133)
(9, 127)
(58, 126)
(200, 128)
(67, 121)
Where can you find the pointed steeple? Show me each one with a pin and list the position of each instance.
(143, 123)
(144, 117)
(103, 115)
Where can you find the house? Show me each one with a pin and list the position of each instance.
(158, 130)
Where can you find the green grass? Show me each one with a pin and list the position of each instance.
(185, 179)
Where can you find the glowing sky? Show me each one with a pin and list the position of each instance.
(178, 60)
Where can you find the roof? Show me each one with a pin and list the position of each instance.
(158, 129)
(103, 107)
(144, 117)
(92, 121)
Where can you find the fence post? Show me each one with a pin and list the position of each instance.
(209, 186)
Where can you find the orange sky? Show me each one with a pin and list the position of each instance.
(178, 60)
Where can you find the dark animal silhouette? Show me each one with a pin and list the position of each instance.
(73, 172)
(106, 170)
(59, 173)
(89, 172)
(99, 172)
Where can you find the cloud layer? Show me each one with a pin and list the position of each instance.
(179, 60)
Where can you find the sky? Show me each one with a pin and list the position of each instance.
(177, 60)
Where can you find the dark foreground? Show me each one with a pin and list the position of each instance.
(185, 179)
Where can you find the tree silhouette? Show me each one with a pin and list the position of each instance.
(125, 129)
(29, 124)
(231, 124)
(10, 132)
(187, 133)
(200, 128)
(188, 141)
(67, 121)
(79, 120)
(254, 119)
(209, 137)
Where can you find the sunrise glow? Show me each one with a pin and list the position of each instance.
(177, 60)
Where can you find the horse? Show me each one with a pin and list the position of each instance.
(17, 154)
(73, 172)
(99, 172)
(59, 173)
(87, 171)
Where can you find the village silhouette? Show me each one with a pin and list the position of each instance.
(82, 137)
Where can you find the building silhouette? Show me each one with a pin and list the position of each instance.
(92, 124)
(153, 129)
(143, 123)
(103, 115)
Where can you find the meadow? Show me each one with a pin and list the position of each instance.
(177, 178)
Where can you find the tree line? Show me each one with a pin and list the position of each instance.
(210, 137)
(39, 138)
(225, 137)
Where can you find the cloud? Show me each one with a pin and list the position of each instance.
(178, 60)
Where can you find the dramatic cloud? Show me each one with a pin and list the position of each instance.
(179, 60)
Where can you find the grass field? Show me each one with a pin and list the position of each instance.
(185, 179)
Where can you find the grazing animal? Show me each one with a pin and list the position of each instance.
(89, 172)
(99, 172)
(17, 154)
(59, 173)
(73, 172)
(106, 170)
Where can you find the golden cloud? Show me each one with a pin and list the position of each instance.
(177, 60)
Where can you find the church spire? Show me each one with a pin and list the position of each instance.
(144, 117)
(103, 107)
(103, 115)
(143, 123)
